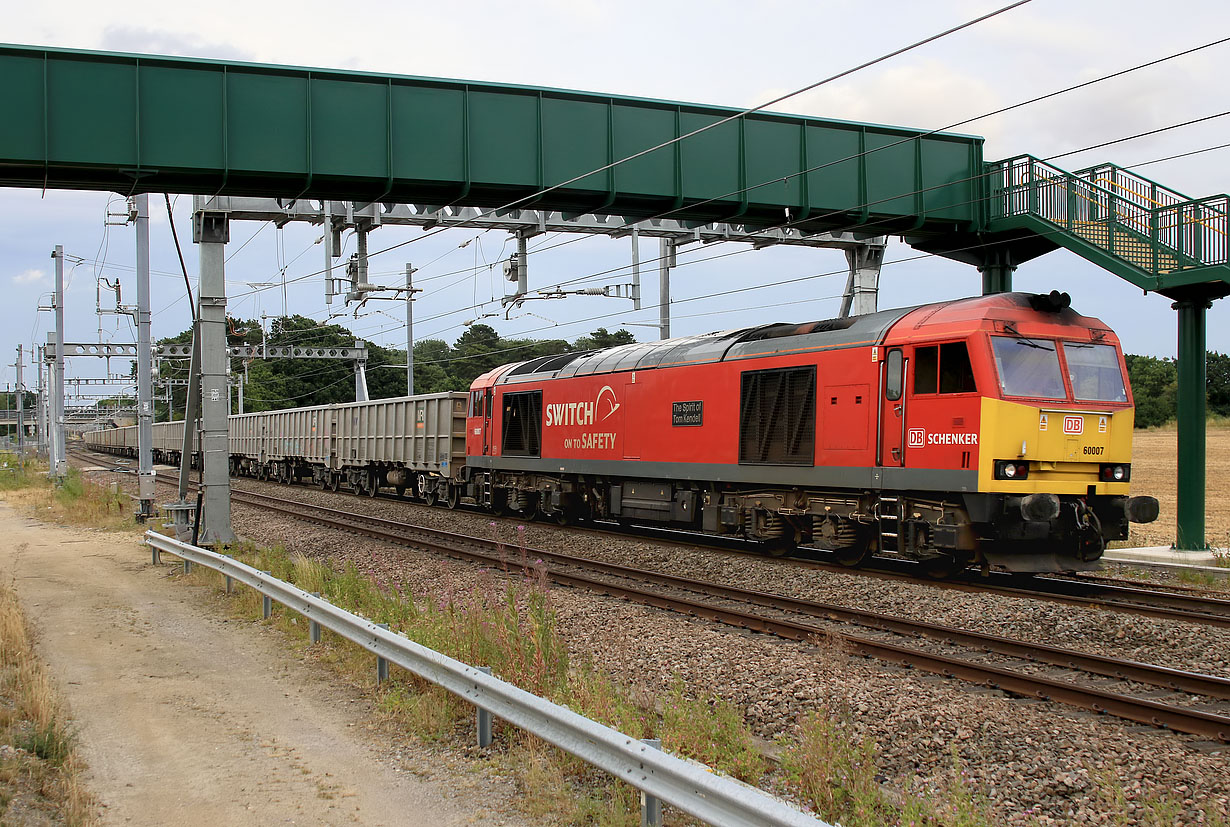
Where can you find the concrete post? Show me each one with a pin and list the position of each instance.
(211, 231)
(41, 412)
(409, 330)
(145, 381)
(21, 413)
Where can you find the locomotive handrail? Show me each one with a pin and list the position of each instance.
(688, 785)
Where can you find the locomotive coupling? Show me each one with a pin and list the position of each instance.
(1041, 508)
(1142, 509)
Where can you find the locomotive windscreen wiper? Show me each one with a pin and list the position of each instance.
(1025, 340)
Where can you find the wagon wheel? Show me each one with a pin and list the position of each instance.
(453, 497)
(373, 483)
(335, 482)
(853, 556)
(400, 489)
(430, 496)
(324, 481)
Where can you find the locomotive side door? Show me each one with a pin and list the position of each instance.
(487, 406)
(890, 422)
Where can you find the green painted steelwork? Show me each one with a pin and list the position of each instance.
(132, 123)
(1192, 412)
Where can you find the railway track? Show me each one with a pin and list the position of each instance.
(1179, 700)
(1114, 594)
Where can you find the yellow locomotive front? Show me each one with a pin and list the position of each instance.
(1054, 467)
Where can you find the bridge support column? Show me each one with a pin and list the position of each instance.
(211, 231)
(666, 260)
(1192, 402)
(997, 269)
(863, 283)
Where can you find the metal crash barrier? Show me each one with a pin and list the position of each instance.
(687, 785)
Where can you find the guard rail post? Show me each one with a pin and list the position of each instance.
(314, 626)
(651, 806)
(155, 556)
(187, 566)
(483, 724)
(382, 665)
(266, 602)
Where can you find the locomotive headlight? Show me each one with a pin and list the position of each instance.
(1116, 473)
(1011, 470)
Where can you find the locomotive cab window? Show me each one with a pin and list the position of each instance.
(895, 380)
(522, 424)
(944, 369)
(1028, 367)
(1094, 372)
(476, 403)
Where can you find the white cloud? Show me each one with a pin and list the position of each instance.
(30, 277)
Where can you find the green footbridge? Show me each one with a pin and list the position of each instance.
(138, 123)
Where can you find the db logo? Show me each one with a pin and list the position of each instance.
(1074, 425)
(917, 438)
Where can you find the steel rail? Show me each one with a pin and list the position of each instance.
(690, 786)
(1136, 601)
(1150, 712)
(1176, 679)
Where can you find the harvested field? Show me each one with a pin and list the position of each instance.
(1154, 458)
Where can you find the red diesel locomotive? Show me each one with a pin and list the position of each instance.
(991, 431)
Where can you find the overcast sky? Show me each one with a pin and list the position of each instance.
(730, 53)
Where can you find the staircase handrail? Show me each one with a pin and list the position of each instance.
(1160, 195)
(1176, 197)
(1164, 226)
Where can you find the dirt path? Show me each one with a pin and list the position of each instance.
(187, 718)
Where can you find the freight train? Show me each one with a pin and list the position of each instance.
(993, 431)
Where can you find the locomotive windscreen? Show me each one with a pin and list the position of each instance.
(777, 417)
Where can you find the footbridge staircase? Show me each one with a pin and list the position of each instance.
(1152, 236)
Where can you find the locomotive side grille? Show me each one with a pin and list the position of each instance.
(777, 417)
(522, 436)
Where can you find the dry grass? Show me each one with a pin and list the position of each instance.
(80, 500)
(39, 771)
(1155, 471)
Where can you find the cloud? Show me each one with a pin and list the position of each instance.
(923, 95)
(30, 277)
(153, 41)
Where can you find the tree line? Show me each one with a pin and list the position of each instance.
(1155, 387)
(273, 384)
